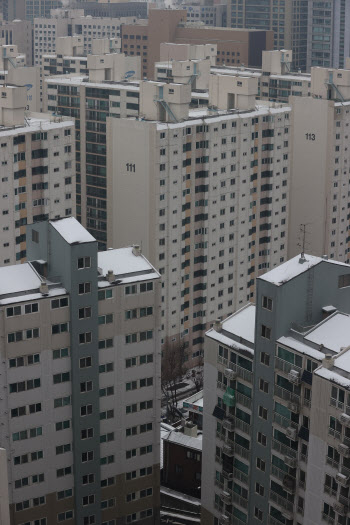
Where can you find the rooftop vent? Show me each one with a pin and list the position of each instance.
(217, 325)
(44, 289)
(136, 250)
(110, 276)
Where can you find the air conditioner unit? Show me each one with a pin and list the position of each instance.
(342, 479)
(291, 433)
(227, 450)
(230, 374)
(226, 498)
(294, 407)
(290, 462)
(224, 520)
(339, 508)
(294, 377)
(344, 450)
(344, 420)
(228, 424)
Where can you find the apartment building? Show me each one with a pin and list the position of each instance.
(211, 206)
(112, 9)
(328, 34)
(40, 8)
(275, 401)
(144, 38)
(288, 20)
(81, 420)
(72, 22)
(19, 33)
(37, 171)
(91, 101)
(276, 79)
(319, 191)
(211, 15)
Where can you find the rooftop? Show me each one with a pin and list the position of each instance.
(333, 333)
(39, 122)
(18, 278)
(178, 438)
(72, 231)
(126, 265)
(287, 271)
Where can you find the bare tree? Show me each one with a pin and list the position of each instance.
(172, 372)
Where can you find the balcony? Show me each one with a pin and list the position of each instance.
(240, 476)
(219, 484)
(239, 500)
(278, 473)
(334, 433)
(228, 450)
(243, 400)
(332, 463)
(328, 519)
(226, 497)
(241, 451)
(242, 372)
(283, 421)
(285, 394)
(245, 427)
(284, 449)
(282, 502)
(229, 424)
(218, 459)
(221, 386)
(285, 366)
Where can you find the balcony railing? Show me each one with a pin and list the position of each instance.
(241, 451)
(221, 385)
(240, 476)
(284, 366)
(243, 400)
(239, 500)
(219, 483)
(283, 421)
(329, 491)
(285, 394)
(278, 473)
(328, 519)
(303, 457)
(218, 459)
(307, 402)
(334, 433)
(245, 427)
(284, 449)
(282, 502)
(346, 441)
(344, 500)
(332, 462)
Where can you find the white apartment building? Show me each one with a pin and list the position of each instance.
(73, 23)
(80, 381)
(276, 80)
(276, 402)
(211, 206)
(37, 171)
(320, 183)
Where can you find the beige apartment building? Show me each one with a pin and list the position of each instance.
(80, 381)
(37, 171)
(320, 184)
(205, 193)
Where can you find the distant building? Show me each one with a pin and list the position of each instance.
(144, 38)
(182, 460)
(37, 171)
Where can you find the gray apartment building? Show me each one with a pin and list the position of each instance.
(276, 401)
(80, 381)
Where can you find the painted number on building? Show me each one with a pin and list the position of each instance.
(310, 136)
(130, 167)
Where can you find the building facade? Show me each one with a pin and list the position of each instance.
(169, 25)
(328, 35)
(81, 420)
(288, 20)
(37, 171)
(211, 209)
(275, 424)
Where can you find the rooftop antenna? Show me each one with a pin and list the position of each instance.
(302, 241)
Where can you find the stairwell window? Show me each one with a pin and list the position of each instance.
(265, 332)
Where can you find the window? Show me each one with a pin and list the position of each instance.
(85, 338)
(84, 313)
(61, 378)
(264, 386)
(59, 303)
(84, 288)
(84, 262)
(259, 489)
(265, 332)
(262, 412)
(258, 513)
(62, 425)
(344, 280)
(264, 358)
(260, 464)
(146, 287)
(87, 433)
(61, 401)
(105, 294)
(60, 353)
(105, 319)
(267, 303)
(85, 362)
(106, 367)
(59, 328)
(86, 386)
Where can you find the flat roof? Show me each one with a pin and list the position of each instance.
(333, 333)
(18, 278)
(242, 323)
(122, 261)
(72, 231)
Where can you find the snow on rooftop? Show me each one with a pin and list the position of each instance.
(343, 361)
(332, 375)
(123, 261)
(72, 231)
(18, 278)
(333, 333)
(290, 269)
(301, 347)
(182, 439)
(242, 323)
